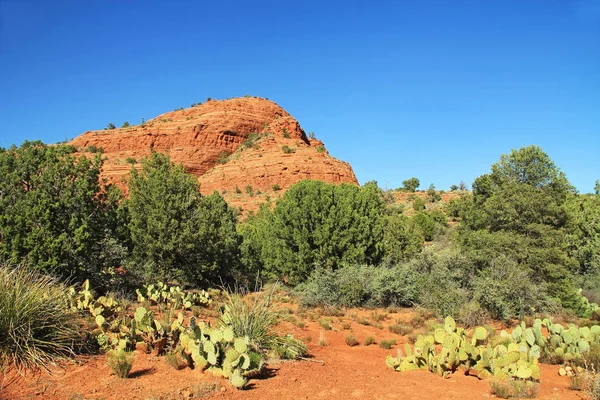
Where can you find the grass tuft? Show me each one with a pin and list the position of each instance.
(38, 327)
(351, 340)
(121, 362)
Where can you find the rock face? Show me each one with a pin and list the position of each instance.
(245, 148)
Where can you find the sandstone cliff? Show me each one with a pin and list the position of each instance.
(245, 148)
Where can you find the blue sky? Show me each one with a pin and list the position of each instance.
(436, 89)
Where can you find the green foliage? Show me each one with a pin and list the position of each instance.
(426, 223)
(507, 291)
(249, 190)
(316, 223)
(177, 233)
(511, 388)
(351, 340)
(173, 295)
(55, 215)
(387, 343)
(121, 362)
(453, 188)
(432, 195)
(355, 286)
(402, 238)
(287, 149)
(223, 158)
(276, 187)
(519, 211)
(369, 340)
(286, 134)
(110, 126)
(411, 184)
(125, 125)
(37, 325)
(320, 149)
(418, 204)
(131, 160)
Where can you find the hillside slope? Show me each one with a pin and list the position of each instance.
(241, 147)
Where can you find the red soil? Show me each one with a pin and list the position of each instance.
(335, 371)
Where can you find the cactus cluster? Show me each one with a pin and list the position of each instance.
(83, 299)
(173, 295)
(218, 350)
(565, 343)
(516, 356)
(474, 353)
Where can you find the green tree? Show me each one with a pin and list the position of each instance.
(411, 184)
(597, 187)
(402, 239)
(178, 234)
(320, 224)
(519, 210)
(54, 214)
(432, 195)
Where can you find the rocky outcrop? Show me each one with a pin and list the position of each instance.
(245, 148)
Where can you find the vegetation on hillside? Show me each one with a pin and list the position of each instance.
(523, 243)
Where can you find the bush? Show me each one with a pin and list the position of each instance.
(418, 204)
(355, 286)
(400, 328)
(507, 291)
(287, 149)
(351, 340)
(514, 389)
(121, 362)
(37, 325)
(387, 343)
(427, 224)
(125, 124)
(369, 340)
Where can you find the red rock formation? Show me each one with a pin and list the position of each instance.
(239, 143)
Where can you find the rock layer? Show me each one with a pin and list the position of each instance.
(244, 148)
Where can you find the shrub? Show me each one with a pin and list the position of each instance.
(369, 340)
(131, 160)
(120, 362)
(507, 291)
(471, 314)
(223, 157)
(288, 150)
(286, 134)
(400, 328)
(387, 343)
(432, 195)
(508, 389)
(249, 190)
(418, 204)
(125, 124)
(276, 187)
(592, 385)
(110, 126)
(355, 286)
(253, 316)
(320, 149)
(325, 323)
(37, 325)
(351, 340)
